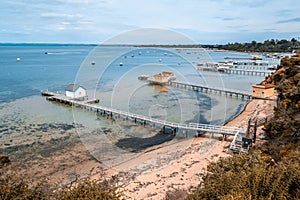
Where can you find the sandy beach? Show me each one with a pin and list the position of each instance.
(184, 171)
(173, 165)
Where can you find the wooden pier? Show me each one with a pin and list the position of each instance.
(143, 120)
(204, 89)
(247, 72)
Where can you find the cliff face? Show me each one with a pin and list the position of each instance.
(283, 132)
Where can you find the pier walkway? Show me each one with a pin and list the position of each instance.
(204, 89)
(144, 120)
(248, 72)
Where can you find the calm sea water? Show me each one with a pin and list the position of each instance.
(37, 70)
(53, 67)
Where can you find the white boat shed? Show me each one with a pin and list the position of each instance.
(76, 91)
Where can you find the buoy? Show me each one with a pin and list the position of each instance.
(93, 62)
(160, 60)
(18, 59)
(121, 64)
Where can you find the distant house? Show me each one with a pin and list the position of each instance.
(76, 91)
(162, 78)
(262, 91)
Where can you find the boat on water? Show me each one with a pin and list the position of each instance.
(143, 77)
(222, 68)
(256, 58)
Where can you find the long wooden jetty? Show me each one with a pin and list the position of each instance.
(144, 120)
(248, 72)
(204, 89)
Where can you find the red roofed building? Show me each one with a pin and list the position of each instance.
(263, 91)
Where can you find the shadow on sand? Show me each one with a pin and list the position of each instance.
(136, 144)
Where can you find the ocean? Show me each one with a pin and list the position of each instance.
(26, 117)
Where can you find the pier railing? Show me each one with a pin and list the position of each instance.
(205, 89)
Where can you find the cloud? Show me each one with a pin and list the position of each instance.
(297, 19)
(150, 36)
(249, 3)
(236, 27)
(284, 13)
(71, 20)
(229, 19)
(60, 15)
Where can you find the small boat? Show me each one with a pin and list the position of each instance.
(222, 68)
(143, 77)
(256, 58)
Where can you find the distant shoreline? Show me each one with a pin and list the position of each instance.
(180, 46)
(44, 44)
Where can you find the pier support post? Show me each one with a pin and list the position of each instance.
(184, 132)
(173, 131)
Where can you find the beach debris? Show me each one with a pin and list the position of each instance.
(4, 160)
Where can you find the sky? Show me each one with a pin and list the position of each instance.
(96, 21)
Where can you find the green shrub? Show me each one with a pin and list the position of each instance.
(250, 177)
(16, 185)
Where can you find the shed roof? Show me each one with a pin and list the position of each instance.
(73, 87)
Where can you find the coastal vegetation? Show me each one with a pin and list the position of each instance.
(17, 185)
(271, 45)
(266, 46)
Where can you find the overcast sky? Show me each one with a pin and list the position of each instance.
(94, 21)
